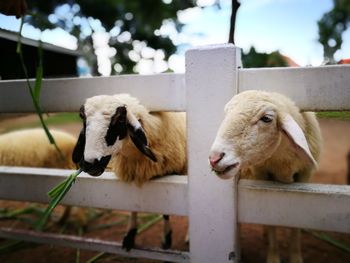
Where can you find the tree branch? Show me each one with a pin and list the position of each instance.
(235, 6)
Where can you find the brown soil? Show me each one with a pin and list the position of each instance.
(333, 170)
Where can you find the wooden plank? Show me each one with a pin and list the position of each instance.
(313, 206)
(312, 88)
(157, 92)
(210, 81)
(166, 195)
(93, 244)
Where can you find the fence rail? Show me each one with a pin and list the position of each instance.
(166, 195)
(157, 92)
(93, 244)
(312, 88)
(168, 92)
(261, 202)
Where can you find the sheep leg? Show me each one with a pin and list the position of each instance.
(295, 246)
(129, 238)
(167, 233)
(273, 255)
(66, 212)
(187, 237)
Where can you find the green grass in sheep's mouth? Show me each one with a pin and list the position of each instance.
(56, 194)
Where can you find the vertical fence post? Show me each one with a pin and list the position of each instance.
(211, 81)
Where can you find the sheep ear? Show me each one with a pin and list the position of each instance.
(296, 134)
(138, 137)
(79, 148)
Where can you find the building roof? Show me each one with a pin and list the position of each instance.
(290, 62)
(344, 61)
(13, 36)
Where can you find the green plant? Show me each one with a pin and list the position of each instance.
(56, 194)
(35, 91)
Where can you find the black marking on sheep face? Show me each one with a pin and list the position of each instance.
(78, 152)
(117, 127)
(98, 166)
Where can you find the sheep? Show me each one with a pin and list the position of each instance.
(115, 129)
(264, 136)
(31, 148)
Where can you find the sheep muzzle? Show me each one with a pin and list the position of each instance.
(97, 167)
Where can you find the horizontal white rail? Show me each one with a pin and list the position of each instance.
(166, 195)
(312, 88)
(259, 202)
(93, 244)
(157, 92)
(313, 206)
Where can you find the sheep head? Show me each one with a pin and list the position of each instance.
(107, 124)
(252, 130)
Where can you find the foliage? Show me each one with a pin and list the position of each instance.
(253, 59)
(331, 27)
(35, 91)
(128, 23)
(340, 115)
(56, 194)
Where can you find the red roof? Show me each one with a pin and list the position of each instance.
(344, 61)
(290, 62)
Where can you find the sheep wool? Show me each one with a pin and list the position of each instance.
(31, 148)
(166, 136)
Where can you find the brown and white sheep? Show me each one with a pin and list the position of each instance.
(140, 144)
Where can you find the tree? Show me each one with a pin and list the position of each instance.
(253, 59)
(234, 5)
(128, 23)
(331, 27)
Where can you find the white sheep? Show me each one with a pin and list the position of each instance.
(264, 136)
(116, 127)
(31, 148)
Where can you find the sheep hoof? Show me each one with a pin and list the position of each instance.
(129, 239)
(166, 244)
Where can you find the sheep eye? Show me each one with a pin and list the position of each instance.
(266, 118)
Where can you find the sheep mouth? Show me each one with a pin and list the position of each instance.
(223, 173)
(96, 168)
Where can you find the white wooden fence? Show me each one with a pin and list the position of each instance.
(213, 76)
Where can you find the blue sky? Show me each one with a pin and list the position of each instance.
(289, 26)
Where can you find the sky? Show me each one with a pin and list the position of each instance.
(289, 26)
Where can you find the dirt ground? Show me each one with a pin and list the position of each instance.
(332, 170)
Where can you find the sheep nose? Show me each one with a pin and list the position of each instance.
(215, 157)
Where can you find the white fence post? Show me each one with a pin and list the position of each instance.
(211, 78)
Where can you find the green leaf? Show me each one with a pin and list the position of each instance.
(35, 95)
(39, 75)
(332, 241)
(96, 257)
(57, 194)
